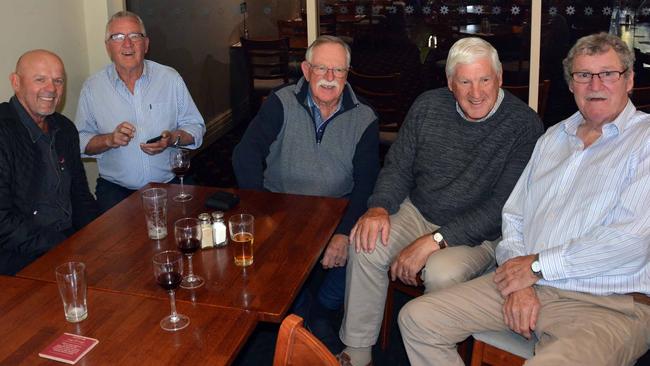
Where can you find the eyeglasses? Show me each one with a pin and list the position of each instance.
(120, 37)
(583, 77)
(321, 70)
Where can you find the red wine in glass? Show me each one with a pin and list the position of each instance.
(187, 232)
(189, 246)
(168, 272)
(169, 280)
(180, 171)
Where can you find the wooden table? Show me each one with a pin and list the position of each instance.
(291, 232)
(31, 314)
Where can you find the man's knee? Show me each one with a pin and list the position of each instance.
(437, 278)
(411, 315)
(378, 258)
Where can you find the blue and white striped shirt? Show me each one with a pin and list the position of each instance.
(586, 211)
(160, 101)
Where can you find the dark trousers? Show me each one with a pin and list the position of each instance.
(110, 194)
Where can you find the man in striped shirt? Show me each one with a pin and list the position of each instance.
(573, 263)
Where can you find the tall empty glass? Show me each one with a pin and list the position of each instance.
(242, 233)
(71, 279)
(154, 202)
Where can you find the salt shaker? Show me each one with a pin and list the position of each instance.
(206, 231)
(220, 239)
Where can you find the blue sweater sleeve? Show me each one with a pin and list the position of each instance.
(249, 156)
(366, 169)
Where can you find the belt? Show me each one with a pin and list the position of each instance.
(640, 298)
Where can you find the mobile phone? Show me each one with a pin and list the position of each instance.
(155, 139)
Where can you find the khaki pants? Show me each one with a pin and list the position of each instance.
(573, 328)
(367, 273)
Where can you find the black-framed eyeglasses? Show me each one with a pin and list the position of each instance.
(120, 37)
(321, 70)
(584, 77)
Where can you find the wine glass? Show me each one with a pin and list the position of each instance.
(180, 162)
(187, 232)
(168, 271)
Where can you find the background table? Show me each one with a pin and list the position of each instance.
(291, 232)
(31, 314)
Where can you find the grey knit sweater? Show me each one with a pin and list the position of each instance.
(458, 173)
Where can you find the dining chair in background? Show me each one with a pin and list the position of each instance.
(382, 93)
(296, 346)
(267, 63)
(521, 92)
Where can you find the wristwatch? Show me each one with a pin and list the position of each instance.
(536, 267)
(439, 239)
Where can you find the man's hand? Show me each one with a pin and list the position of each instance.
(515, 274)
(336, 253)
(121, 136)
(160, 145)
(520, 311)
(364, 233)
(412, 259)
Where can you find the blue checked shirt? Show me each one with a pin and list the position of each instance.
(586, 211)
(160, 101)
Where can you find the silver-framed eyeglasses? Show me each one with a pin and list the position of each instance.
(120, 37)
(321, 70)
(584, 77)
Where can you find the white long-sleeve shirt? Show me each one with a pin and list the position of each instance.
(586, 211)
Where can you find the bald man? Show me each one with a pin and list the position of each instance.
(44, 194)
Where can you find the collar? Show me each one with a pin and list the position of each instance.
(312, 105)
(494, 108)
(32, 128)
(114, 77)
(615, 127)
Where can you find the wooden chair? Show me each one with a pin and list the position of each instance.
(381, 92)
(384, 335)
(297, 346)
(521, 92)
(268, 66)
(641, 98)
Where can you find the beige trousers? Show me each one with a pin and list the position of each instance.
(367, 273)
(573, 328)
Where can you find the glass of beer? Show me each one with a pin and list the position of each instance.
(242, 232)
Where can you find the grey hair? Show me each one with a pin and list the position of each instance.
(467, 51)
(597, 44)
(124, 14)
(329, 39)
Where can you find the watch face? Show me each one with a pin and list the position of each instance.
(536, 267)
(437, 237)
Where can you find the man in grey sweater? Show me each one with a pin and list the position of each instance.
(436, 208)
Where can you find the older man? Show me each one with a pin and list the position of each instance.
(573, 263)
(44, 194)
(316, 138)
(128, 103)
(438, 199)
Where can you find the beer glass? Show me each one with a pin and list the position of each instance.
(242, 232)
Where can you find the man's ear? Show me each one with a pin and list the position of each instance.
(15, 81)
(305, 69)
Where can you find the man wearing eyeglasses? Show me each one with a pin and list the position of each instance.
(573, 272)
(316, 138)
(126, 106)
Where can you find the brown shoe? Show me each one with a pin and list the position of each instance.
(344, 359)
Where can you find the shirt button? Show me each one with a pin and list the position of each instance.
(35, 212)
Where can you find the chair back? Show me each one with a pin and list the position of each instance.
(267, 63)
(297, 346)
(381, 92)
(267, 59)
(521, 92)
(641, 98)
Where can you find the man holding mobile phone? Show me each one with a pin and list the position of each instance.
(131, 111)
